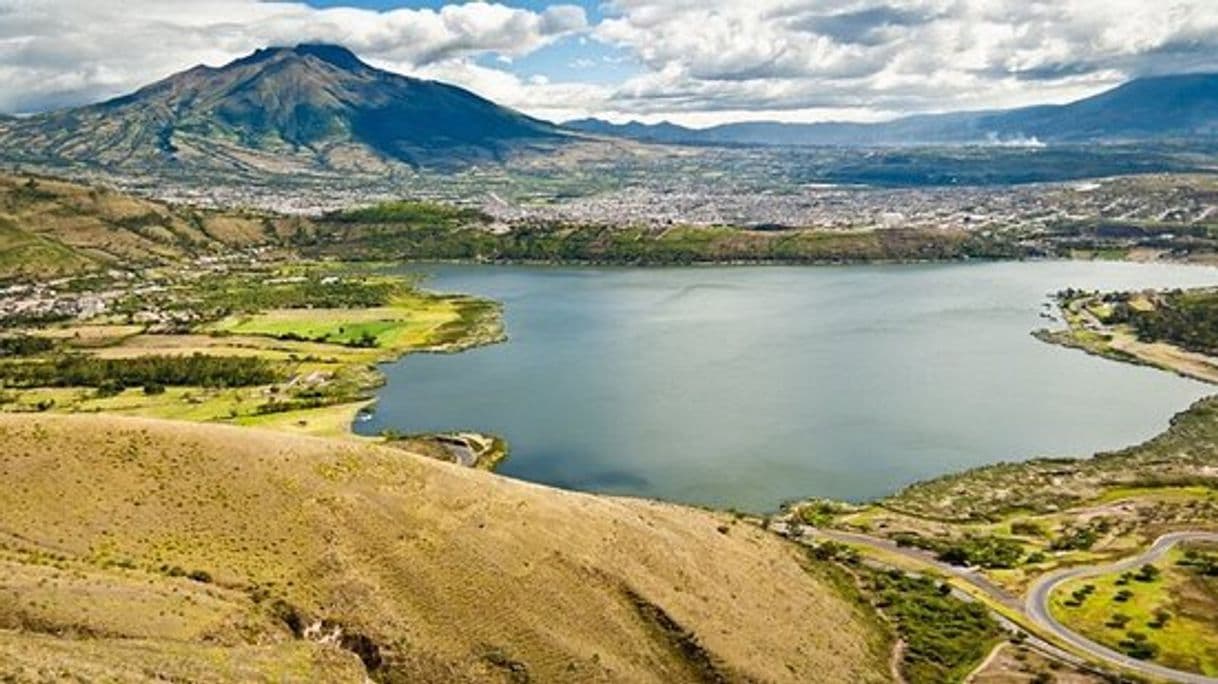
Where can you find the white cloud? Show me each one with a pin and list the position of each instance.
(699, 61)
(801, 56)
(59, 52)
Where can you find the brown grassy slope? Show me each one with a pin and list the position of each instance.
(446, 574)
(73, 226)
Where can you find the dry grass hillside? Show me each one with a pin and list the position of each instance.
(51, 228)
(136, 549)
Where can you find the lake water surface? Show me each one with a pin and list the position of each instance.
(746, 386)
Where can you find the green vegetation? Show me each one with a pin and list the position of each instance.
(211, 297)
(985, 551)
(407, 321)
(25, 345)
(646, 246)
(411, 213)
(1164, 612)
(53, 228)
(249, 346)
(1187, 319)
(1183, 456)
(1080, 536)
(945, 637)
(112, 375)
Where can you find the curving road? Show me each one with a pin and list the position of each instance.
(1037, 608)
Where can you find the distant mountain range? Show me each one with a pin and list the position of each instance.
(1159, 108)
(319, 109)
(310, 107)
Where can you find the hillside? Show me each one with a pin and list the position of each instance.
(1147, 109)
(307, 109)
(51, 228)
(137, 549)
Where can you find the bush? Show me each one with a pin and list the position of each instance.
(1118, 621)
(109, 388)
(25, 345)
(1148, 573)
(200, 576)
(944, 636)
(1135, 645)
(1027, 528)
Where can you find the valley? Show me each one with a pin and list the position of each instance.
(311, 370)
(234, 328)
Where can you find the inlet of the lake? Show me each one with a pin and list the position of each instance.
(747, 386)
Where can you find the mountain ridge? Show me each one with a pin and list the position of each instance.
(308, 107)
(1153, 108)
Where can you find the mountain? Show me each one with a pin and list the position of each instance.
(311, 107)
(1147, 109)
(143, 550)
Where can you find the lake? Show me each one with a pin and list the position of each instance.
(747, 386)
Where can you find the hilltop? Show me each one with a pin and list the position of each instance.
(51, 228)
(137, 549)
(303, 109)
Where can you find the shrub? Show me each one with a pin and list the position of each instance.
(109, 388)
(1118, 621)
(1148, 573)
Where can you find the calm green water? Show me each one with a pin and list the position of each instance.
(748, 386)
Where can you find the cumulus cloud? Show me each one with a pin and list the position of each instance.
(693, 61)
(66, 52)
(896, 55)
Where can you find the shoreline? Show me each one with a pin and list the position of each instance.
(778, 507)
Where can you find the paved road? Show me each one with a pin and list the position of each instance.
(971, 575)
(1037, 608)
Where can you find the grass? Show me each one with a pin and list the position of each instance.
(228, 541)
(1189, 638)
(320, 385)
(50, 227)
(410, 322)
(26, 254)
(327, 421)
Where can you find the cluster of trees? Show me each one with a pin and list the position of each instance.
(33, 319)
(986, 551)
(1185, 319)
(1205, 564)
(313, 293)
(1136, 645)
(944, 636)
(216, 297)
(25, 345)
(411, 213)
(546, 242)
(1081, 537)
(152, 372)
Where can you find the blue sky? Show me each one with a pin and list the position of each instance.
(568, 59)
(694, 62)
(592, 8)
